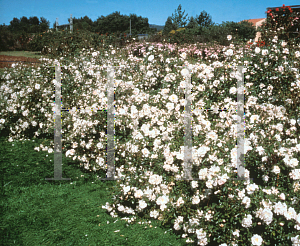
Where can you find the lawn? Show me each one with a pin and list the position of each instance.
(40, 212)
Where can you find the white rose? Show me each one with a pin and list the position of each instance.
(183, 55)
(150, 58)
(264, 52)
(229, 52)
(185, 72)
(256, 240)
(282, 196)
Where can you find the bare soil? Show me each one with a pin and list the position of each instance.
(7, 61)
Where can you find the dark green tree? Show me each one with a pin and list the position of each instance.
(15, 25)
(24, 23)
(178, 18)
(169, 26)
(243, 31)
(193, 24)
(204, 19)
(44, 24)
(34, 24)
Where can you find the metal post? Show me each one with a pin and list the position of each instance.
(56, 25)
(130, 27)
(71, 24)
(57, 135)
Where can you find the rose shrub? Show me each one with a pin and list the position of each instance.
(215, 210)
(282, 23)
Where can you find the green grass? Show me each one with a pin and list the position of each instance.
(40, 212)
(30, 54)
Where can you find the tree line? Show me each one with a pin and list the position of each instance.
(203, 25)
(118, 24)
(112, 23)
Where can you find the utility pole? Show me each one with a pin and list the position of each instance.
(130, 28)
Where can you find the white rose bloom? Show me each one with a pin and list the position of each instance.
(264, 52)
(282, 196)
(290, 214)
(126, 189)
(276, 169)
(280, 208)
(155, 179)
(176, 226)
(267, 216)
(173, 98)
(121, 208)
(295, 174)
(149, 73)
(179, 202)
(196, 200)
(246, 200)
(229, 37)
(194, 184)
(185, 72)
(247, 222)
(294, 162)
(232, 90)
(170, 106)
(183, 55)
(151, 58)
(145, 152)
(229, 52)
(256, 240)
(154, 214)
(142, 204)
(163, 207)
(251, 188)
(162, 200)
(257, 50)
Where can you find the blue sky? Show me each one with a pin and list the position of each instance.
(157, 11)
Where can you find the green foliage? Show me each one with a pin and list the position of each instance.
(216, 33)
(117, 23)
(31, 25)
(243, 31)
(181, 36)
(7, 38)
(193, 26)
(169, 26)
(204, 20)
(179, 19)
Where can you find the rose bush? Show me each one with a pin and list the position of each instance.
(150, 130)
(282, 23)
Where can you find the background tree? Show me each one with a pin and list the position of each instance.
(169, 26)
(34, 24)
(44, 24)
(83, 23)
(193, 26)
(204, 21)
(15, 25)
(24, 24)
(243, 31)
(178, 18)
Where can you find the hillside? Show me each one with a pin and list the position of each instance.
(158, 27)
